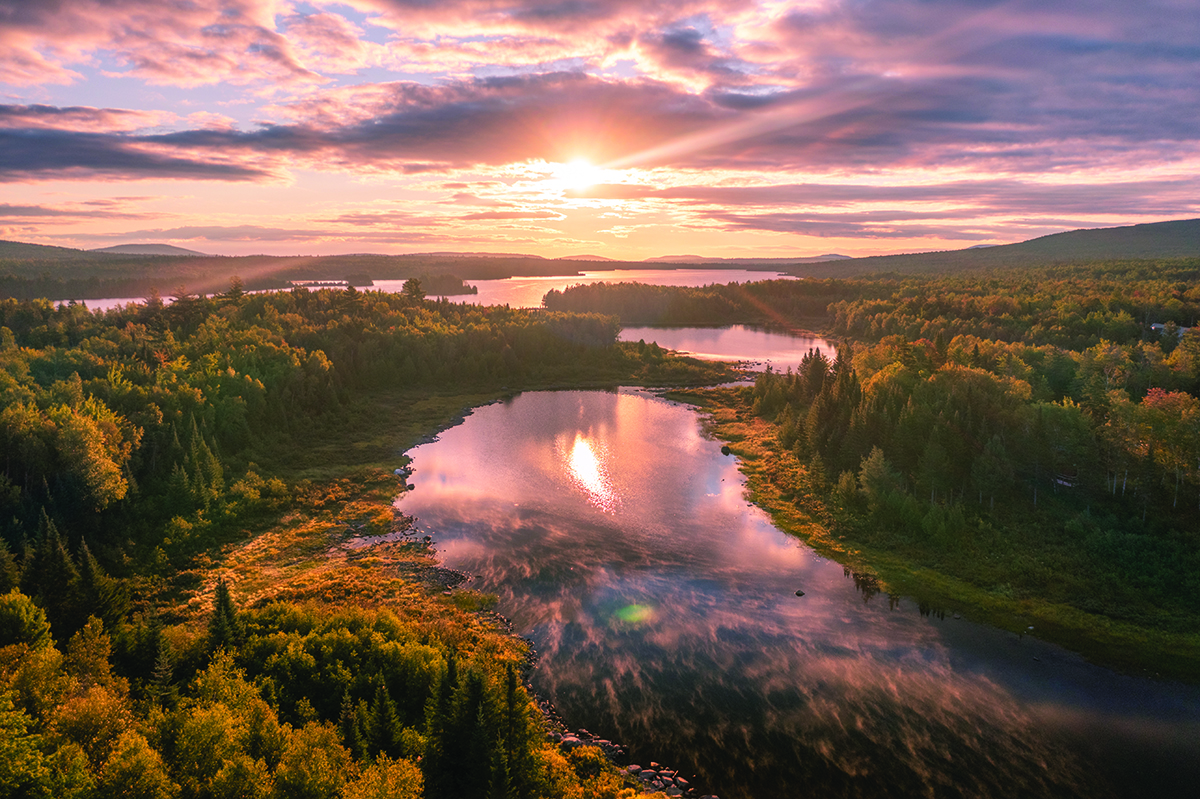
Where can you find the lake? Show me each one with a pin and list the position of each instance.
(761, 348)
(527, 292)
(664, 610)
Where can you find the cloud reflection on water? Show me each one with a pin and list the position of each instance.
(668, 619)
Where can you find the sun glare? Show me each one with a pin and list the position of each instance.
(589, 473)
(577, 174)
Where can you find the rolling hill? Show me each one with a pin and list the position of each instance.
(149, 249)
(1155, 240)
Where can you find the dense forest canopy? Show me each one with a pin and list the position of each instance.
(130, 444)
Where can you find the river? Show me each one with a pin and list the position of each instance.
(664, 609)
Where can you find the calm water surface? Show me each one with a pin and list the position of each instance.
(527, 292)
(618, 539)
(780, 351)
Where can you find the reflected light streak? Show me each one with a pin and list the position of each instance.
(589, 474)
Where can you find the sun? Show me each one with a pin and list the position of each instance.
(576, 174)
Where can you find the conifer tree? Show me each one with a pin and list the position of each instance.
(224, 627)
(10, 572)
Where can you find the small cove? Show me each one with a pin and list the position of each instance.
(663, 607)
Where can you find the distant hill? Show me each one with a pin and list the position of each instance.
(585, 257)
(19, 250)
(700, 259)
(472, 255)
(1175, 239)
(149, 249)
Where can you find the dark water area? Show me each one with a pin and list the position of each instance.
(664, 609)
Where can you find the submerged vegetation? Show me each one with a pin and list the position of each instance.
(192, 604)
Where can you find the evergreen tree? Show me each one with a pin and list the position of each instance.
(10, 572)
(224, 627)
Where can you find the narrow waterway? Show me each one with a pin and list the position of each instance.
(664, 609)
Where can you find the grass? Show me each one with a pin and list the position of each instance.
(971, 581)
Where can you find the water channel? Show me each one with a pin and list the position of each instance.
(664, 609)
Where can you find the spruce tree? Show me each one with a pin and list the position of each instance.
(224, 628)
(10, 572)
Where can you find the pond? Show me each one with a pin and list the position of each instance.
(761, 348)
(665, 612)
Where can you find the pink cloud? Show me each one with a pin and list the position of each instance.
(180, 43)
(80, 118)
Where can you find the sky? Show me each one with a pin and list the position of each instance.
(622, 128)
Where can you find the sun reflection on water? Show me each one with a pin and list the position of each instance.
(589, 473)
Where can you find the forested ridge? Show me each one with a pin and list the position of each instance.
(133, 478)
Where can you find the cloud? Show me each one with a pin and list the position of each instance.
(513, 215)
(79, 118)
(59, 154)
(814, 225)
(178, 42)
(994, 197)
(10, 213)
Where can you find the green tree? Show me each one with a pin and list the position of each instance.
(22, 622)
(412, 290)
(878, 479)
(224, 626)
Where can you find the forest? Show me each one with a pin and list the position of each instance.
(1033, 433)
(150, 449)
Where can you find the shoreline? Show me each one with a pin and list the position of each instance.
(1111, 643)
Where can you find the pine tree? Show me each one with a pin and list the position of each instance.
(10, 572)
(224, 627)
(161, 687)
(383, 731)
(99, 593)
(351, 729)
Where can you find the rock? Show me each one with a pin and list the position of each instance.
(647, 775)
(799, 592)
(673, 791)
(556, 737)
(725, 450)
(682, 783)
(633, 768)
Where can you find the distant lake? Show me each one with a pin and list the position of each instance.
(780, 351)
(664, 612)
(527, 292)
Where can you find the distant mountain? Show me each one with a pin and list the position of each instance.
(700, 259)
(1175, 239)
(149, 249)
(584, 258)
(472, 255)
(22, 251)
